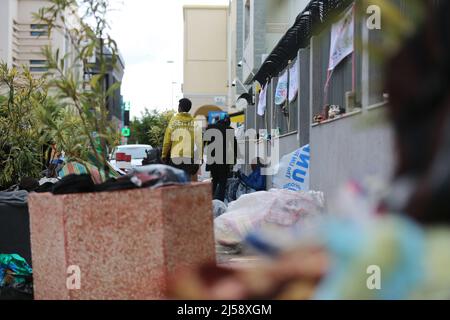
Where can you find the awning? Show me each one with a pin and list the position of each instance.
(308, 23)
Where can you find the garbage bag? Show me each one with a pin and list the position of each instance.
(15, 274)
(153, 157)
(219, 208)
(151, 176)
(276, 209)
(236, 189)
(74, 183)
(293, 171)
(15, 198)
(162, 175)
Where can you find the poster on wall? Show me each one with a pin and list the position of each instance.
(293, 171)
(342, 39)
(262, 101)
(282, 86)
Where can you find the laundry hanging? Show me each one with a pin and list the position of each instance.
(286, 80)
(262, 101)
(294, 82)
(342, 39)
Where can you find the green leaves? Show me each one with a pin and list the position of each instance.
(150, 128)
(80, 82)
(20, 137)
(29, 118)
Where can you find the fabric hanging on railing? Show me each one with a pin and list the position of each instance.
(262, 101)
(294, 82)
(281, 92)
(342, 39)
(282, 86)
(341, 45)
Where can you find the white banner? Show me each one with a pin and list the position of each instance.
(293, 171)
(342, 39)
(281, 92)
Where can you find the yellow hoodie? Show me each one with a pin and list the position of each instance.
(181, 137)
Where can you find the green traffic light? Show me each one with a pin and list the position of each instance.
(126, 132)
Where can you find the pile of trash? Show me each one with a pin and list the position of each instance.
(151, 176)
(16, 278)
(275, 210)
(75, 180)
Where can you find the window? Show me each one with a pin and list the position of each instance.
(38, 66)
(134, 152)
(39, 30)
(247, 20)
(38, 62)
(38, 69)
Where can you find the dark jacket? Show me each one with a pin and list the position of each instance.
(229, 147)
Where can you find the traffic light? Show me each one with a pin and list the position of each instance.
(126, 118)
(126, 132)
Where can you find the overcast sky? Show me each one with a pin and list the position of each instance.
(150, 33)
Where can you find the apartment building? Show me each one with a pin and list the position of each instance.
(206, 57)
(22, 39)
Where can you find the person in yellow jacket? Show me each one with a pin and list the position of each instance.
(180, 148)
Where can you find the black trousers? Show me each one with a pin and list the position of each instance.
(219, 175)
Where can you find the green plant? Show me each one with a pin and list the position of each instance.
(57, 124)
(150, 127)
(20, 148)
(78, 81)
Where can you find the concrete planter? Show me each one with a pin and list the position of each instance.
(125, 243)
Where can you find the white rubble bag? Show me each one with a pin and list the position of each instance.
(292, 172)
(275, 209)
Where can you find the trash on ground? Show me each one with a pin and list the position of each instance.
(275, 209)
(15, 276)
(219, 208)
(292, 172)
(151, 176)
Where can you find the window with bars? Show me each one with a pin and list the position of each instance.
(285, 114)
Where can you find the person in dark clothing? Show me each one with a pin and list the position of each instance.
(221, 145)
(255, 180)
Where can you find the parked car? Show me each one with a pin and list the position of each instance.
(126, 157)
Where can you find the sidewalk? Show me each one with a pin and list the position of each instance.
(244, 259)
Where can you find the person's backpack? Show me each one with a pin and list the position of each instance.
(153, 156)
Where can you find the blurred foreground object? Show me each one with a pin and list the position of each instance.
(294, 276)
